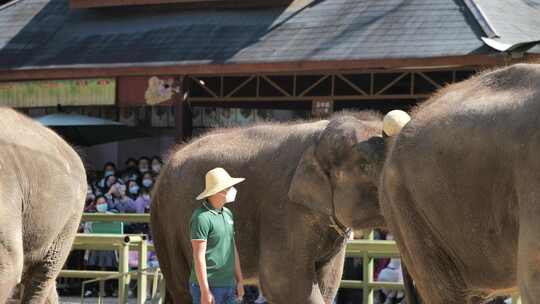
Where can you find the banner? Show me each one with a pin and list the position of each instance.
(50, 93)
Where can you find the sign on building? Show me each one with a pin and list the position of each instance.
(50, 93)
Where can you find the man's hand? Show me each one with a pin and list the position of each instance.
(239, 291)
(207, 297)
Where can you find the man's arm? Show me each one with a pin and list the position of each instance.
(238, 274)
(237, 268)
(199, 258)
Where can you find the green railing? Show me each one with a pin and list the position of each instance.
(116, 217)
(122, 243)
(368, 250)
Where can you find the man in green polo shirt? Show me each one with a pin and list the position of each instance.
(216, 275)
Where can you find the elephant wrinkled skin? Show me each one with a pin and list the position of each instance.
(304, 183)
(42, 193)
(461, 189)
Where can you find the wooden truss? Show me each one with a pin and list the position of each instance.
(375, 85)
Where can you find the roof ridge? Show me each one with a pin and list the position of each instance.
(8, 4)
(481, 18)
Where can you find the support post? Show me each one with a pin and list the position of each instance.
(367, 262)
(101, 291)
(155, 280)
(162, 290)
(123, 267)
(182, 111)
(142, 277)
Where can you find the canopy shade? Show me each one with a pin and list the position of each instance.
(88, 131)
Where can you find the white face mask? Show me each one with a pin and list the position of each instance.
(133, 189)
(102, 208)
(156, 168)
(147, 182)
(231, 195)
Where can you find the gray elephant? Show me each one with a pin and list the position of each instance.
(305, 184)
(42, 191)
(460, 189)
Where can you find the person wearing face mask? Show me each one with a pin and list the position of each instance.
(144, 164)
(133, 190)
(142, 202)
(89, 205)
(107, 182)
(100, 259)
(118, 199)
(147, 181)
(109, 169)
(212, 239)
(156, 165)
(141, 205)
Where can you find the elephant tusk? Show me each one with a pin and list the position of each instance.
(394, 121)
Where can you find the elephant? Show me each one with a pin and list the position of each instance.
(460, 191)
(42, 190)
(307, 184)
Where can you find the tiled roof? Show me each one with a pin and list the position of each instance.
(509, 24)
(47, 33)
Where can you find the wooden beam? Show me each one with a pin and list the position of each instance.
(433, 82)
(276, 86)
(231, 93)
(316, 83)
(309, 98)
(203, 86)
(393, 82)
(113, 70)
(352, 85)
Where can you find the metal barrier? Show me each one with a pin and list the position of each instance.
(116, 217)
(368, 250)
(122, 243)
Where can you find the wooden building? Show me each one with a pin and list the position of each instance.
(194, 64)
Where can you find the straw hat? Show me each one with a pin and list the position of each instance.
(218, 180)
(394, 121)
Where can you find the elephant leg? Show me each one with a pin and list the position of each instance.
(53, 295)
(529, 252)
(39, 279)
(288, 284)
(11, 255)
(288, 275)
(329, 276)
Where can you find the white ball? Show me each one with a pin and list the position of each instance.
(394, 121)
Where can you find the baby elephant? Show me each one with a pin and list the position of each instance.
(42, 193)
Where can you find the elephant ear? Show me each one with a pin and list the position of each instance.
(310, 186)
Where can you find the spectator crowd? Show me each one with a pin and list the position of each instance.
(114, 190)
(123, 191)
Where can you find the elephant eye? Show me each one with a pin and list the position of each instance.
(363, 164)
